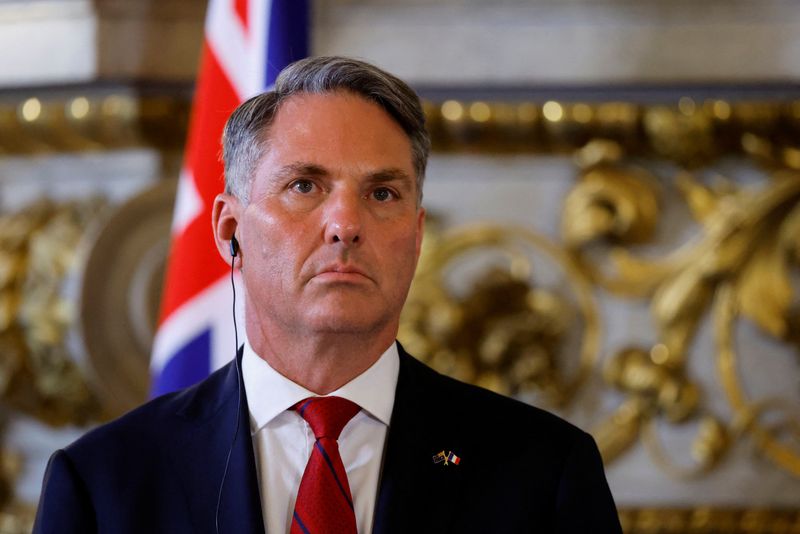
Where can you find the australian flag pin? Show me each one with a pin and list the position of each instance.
(447, 457)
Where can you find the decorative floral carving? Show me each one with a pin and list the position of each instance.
(37, 373)
(747, 247)
(505, 333)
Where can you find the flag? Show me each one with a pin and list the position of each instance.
(247, 43)
(446, 457)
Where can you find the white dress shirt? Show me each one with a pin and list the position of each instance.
(282, 440)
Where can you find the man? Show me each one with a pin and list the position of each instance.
(322, 216)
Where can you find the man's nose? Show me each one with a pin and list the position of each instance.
(344, 220)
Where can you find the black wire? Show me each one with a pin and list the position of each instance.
(238, 403)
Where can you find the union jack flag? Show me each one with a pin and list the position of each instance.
(247, 43)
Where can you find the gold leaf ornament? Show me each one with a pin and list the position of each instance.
(38, 375)
(616, 203)
(684, 134)
(764, 289)
(677, 306)
(504, 332)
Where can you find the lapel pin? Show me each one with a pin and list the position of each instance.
(446, 457)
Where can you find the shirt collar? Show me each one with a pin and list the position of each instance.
(269, 393)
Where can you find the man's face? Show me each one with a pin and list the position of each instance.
(332, 232)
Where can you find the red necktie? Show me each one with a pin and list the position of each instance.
(324, 503)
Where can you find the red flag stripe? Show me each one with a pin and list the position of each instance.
(242, 8)
(185, 275)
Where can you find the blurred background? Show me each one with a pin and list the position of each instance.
(614, 230)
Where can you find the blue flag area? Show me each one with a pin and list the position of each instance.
(287, 38)
(189, 365)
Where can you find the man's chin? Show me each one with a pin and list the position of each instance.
(351, 320)
(345, 327)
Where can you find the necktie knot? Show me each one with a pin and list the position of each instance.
(326, 415)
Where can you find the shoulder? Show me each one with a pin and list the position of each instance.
(511, 456)
(147, 427)
(498, 418)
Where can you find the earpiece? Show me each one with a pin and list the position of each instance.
(234, 252)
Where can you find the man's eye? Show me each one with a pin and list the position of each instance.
(302, 186)
(383, 194)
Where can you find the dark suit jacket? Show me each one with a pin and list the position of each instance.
(159, 468)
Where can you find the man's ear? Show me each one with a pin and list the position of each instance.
(224, 221)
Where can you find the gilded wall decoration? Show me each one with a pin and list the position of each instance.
(708, 520)
(74, 343)
(40, 247)
(79, 295)
(506, 329)
(739, 265)
(95, 119)
(493, 304)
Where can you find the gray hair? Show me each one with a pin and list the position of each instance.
(245, 136)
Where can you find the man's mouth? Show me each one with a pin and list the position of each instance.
(341, 273)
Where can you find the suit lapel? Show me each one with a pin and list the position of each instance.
(212, 413)
(417, 494)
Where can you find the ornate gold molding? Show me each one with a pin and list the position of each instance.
(709, 520)
(79, 292)
(691, 132)
(738, 267)
(38, 375)
(506, 331)
(92, 119)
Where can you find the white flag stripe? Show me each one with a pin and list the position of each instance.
(240, 54)
(210, 308)
(188, 203)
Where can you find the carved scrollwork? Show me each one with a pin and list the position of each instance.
(71, 349)
(740, 266)
(38, 375)
(506, 332)
(708, 520)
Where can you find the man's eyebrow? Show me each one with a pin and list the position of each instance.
(390, 175)
(293, 170)
(300, 169)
